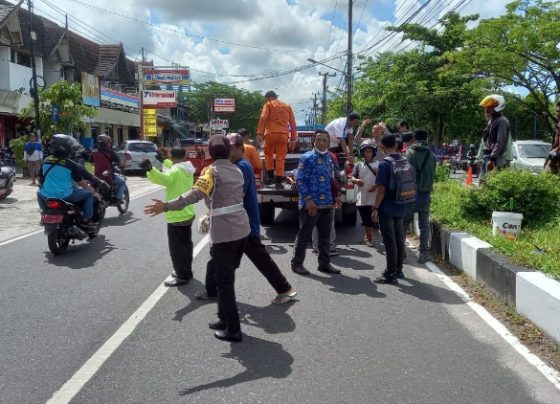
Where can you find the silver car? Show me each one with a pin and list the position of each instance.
(530, 155)
(134, 152)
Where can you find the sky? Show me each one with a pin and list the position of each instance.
(254, 44)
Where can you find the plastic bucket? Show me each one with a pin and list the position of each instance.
(507, 224)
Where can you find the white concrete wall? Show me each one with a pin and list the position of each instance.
(4, 68)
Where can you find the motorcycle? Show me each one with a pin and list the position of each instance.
(471, 162)
(7, 174)
(109, 193)
(63, 223)
(455, 162)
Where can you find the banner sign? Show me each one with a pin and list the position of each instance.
(160, 98)
(90, 90)
(179, 76)
(150, 122)
(118, 98)
(219, 123)
(224, 104)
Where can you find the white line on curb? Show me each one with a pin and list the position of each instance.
(93, 364)
(11, 240)
(552, 375)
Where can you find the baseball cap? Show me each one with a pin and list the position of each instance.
(235, 139)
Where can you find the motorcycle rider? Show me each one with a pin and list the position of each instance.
(106, 160)
(58, 175)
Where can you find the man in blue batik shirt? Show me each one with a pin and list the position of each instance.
(316, 204)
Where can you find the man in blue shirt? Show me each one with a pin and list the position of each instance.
(389, 215)
(254, 248)
(316, 203)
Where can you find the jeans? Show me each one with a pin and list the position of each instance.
(79, 195)
(323, 221)
(393, 238)
(225, 259)
(179, 239)
(255, 250)
(120, 182)
(423, 209)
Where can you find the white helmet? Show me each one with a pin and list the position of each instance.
(494, 100)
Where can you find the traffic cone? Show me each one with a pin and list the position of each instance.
(468, 180)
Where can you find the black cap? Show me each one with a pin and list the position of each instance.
(270, 94)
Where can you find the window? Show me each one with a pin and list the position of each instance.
(20, 58)
(535, 151)
(142, 147)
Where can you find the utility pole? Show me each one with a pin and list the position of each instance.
(34, 90)
(349, 60)
(315, 109)
(324, 99)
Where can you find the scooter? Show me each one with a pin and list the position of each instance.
(7, 174)
(109, 193)
(63, 223)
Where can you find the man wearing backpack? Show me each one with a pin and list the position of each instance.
(423, 160)
(396, 187)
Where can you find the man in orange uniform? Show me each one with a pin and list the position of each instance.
(277, 119)
(251, 153)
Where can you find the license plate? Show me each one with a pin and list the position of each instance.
(51, 219)
(295, 198)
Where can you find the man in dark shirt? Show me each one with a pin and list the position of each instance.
(105, 159)
(389, 215)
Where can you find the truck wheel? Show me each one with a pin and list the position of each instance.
(266, 211)
(350, 217)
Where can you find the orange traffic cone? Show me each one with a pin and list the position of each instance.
(468, 180)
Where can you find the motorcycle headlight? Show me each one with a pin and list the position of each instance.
(3, 182)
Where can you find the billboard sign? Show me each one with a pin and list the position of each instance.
(219, 123)
(118, 98)
(224, 104)
(150, 122)
(160, 98)
(90, 90)
(179, 76)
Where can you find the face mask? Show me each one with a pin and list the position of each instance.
(322, 152)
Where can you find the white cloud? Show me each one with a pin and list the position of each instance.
(294, 27)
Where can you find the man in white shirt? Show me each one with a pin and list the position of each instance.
(341, 135)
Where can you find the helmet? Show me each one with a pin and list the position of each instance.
(64, 145)
(494, 100)
(104, 141)
(472, 147)
(368, 144)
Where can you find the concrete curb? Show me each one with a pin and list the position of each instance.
(532, 294)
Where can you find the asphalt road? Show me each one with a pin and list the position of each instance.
(344, 340)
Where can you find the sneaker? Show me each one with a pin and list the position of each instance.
(203, 295)
(300, 270)
(423, 258)
(333, 252)
(285, 297)
(400, 275)
(384, 279)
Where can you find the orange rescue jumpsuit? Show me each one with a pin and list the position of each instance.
(276, 117)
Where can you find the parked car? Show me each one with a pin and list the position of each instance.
(530, 155)
(191, 141)
(133, 152)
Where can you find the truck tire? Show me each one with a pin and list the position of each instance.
(350, 216)
(266, 213)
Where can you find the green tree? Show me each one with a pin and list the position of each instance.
(518, 49)
(247, 110)
(67, 97)
(422, 85)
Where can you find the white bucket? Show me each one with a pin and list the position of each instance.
(507, 224)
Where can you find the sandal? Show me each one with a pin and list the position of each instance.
(285, 297)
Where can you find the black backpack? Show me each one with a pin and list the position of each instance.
(402, 184)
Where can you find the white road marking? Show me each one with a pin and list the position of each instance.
(552, 375)
(93, 364)
(12, 240)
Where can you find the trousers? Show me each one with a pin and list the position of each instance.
(275, 143)
(179, 240)
(393, 238)
(323, 221)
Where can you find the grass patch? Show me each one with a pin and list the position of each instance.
(536, 247)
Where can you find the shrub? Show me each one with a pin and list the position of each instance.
(443, 172)
(536, 196)
(17, 145)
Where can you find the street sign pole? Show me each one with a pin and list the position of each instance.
(141, 98)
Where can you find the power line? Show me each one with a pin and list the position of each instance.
(184, 33)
